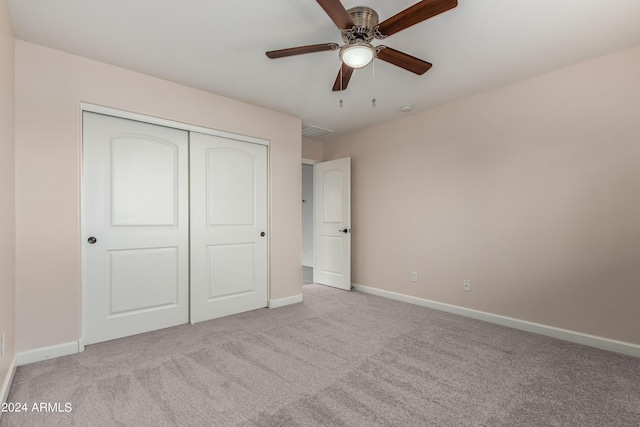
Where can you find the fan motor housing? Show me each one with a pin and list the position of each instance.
(364, 17)
(365, 22)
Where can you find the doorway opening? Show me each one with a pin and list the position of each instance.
(307, 223)
(326, 222)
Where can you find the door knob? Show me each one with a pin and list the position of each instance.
(345, 231)
(92, 240)
(262, 234)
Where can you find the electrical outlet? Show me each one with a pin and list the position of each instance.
(2, 345)
(414, 276)
(466, 285)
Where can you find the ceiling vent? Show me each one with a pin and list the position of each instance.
(314, 131)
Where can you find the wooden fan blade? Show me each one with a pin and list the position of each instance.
(403, 60)
(345, 73)
(273, 54)
(417, 13)
(337, 13)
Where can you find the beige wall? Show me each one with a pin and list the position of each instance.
(531, 191)
(7, 199)
(311, 149)
(49, 88)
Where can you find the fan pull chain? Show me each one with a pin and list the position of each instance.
(341, 101)
(373, 68)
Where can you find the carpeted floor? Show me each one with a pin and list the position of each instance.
(340, 358)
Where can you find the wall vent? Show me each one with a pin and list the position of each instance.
(314, 131)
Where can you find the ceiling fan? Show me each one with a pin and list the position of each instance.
(359, 25)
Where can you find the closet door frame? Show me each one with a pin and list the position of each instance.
(168, 123)
(86, 107)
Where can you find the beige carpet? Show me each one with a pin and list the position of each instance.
(340, 358)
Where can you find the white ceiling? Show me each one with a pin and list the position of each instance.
(219, 45)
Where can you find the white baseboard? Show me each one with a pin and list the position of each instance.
(275, 303)
(40, 354)
(6, 385)
(550, 331)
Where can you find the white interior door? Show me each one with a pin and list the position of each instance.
(135, 227)
(228, 226)
(332, 223)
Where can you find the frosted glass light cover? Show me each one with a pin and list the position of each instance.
(358, 55)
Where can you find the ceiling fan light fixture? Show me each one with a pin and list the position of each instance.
(359, 26)
(358, 54)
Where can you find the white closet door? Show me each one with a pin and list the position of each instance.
(228, 226)
(135, 227)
